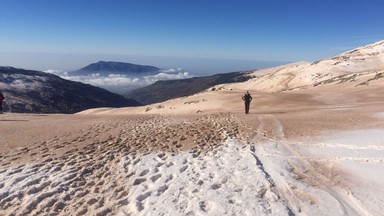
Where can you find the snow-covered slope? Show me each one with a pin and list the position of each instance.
(358, 67)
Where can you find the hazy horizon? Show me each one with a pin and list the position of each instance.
(72, 62)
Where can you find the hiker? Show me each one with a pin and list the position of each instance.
(1, 102)
(247, 98)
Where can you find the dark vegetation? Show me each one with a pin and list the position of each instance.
(165, 90)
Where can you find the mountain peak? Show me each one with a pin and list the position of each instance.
(108, 67)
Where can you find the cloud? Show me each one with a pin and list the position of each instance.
(121, 83)
(57, 72)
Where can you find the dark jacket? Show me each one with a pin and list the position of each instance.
(247, 98)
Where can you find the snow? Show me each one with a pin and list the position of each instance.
(340, 175)
(225, 181)
(361, 154)
(358, 157)
(380, 114)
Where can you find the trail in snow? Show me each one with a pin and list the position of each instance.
(226, 181)
(313, 185)
(271, 176)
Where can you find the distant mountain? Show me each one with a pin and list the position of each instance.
(29, 91)
(110, 67)
(169, 89)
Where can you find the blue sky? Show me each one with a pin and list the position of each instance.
(196, 35)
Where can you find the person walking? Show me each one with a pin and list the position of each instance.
(1, 102)
(247, 98)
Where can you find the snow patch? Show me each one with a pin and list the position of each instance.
(225, 181)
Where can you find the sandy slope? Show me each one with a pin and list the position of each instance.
(312, 145)
(275, 161)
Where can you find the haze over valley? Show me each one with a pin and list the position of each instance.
(120, 80)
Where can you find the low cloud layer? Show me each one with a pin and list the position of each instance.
(120, 83)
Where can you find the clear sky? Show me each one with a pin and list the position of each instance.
(194, 34)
